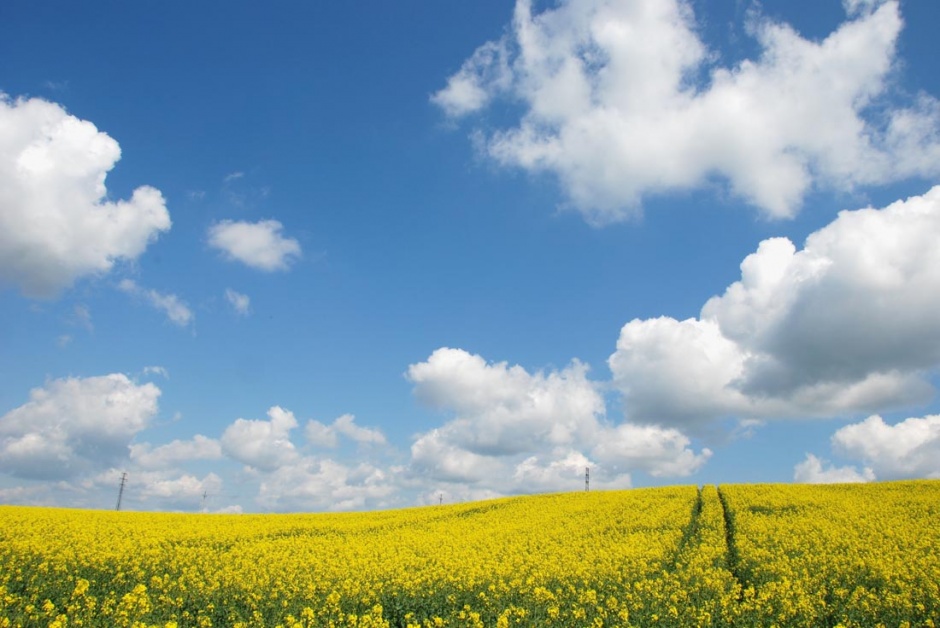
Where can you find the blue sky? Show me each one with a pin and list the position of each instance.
(366, 255)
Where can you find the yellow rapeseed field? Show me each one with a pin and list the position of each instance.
(756, 555)
(850, 555)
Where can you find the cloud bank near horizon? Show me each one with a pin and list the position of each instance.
(842, 327)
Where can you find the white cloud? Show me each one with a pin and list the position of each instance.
(457, 493)
(163, 489)
(171, 491)
(346, 425)
(178, 451)
(241, 303)
(909, 449)
(660, 452)
(288, 480)
(677, 372)
(77, 437)
(514, 431)
(847, 324)
(320, 435)
(327, 435)
(265, 445)
(56, 222)
(259, 245)
(35, 495)
(325, 485)
(854, 7)
(546, 476)
(503, 409)
(473, 86)
(435, 456)
(184, 486)
(811, 471)
(157, 370)
(175, 309)
(613, 107)
(82, 317)
(73, 426)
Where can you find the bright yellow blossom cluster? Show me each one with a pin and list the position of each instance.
(792, 556)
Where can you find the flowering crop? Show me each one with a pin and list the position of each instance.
(839, 555)
(798, 556)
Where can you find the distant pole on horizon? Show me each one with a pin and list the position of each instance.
(121, 490)
(587, 478)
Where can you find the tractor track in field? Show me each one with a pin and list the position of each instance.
(733, 559)
(690, 533)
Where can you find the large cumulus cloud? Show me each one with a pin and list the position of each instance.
(74, 426)
(516, 431)
(845, 325)
(56, 221)
(622, 99)
(288, 478)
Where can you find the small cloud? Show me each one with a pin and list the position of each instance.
(861, 7)
(241, 303)
(56, 86)
(746, 428)
(175, 309)
(346, 425)
(322, 435)
(156, 370)
(63, 341)
(259, 245)
(233, 176)
(82, 317)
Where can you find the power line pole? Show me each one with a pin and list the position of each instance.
(121, 490)
(587, 478)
